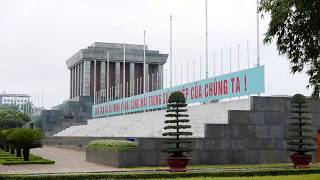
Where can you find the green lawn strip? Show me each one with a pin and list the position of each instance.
(290, 177)
(219, 166)
(161, 175)
(10, 159)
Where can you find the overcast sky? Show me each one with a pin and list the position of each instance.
(37, 36)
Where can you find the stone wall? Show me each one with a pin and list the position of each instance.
(71, 113)
(251, 136)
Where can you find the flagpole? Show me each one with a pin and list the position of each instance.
(230, 59)
(258, 45)
(94, 81)
(144, 61)
(206, 39)
(194, 74)
(170, 50)
(238, 57)
(248, 59)
(41, 99)
(181, 73)
(230, 67)
(221, 64)
(108, 61)
(124, 72)
(175, 74)
(200, 69)
(214, 64)
(187, 71)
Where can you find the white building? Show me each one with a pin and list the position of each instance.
(20, 100)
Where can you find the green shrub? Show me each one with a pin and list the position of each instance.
(115, 145)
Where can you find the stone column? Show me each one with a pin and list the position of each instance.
(117, 79)
(102, 75)
(146, 77)
(71, 87)
(131, 79)
(108, 78)
(78, 80)
(73, 82)
(81, 79)
(160, 73)
(86, 78)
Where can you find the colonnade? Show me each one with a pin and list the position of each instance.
(105, 78)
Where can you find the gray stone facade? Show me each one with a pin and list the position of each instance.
(253, 136)
(71, 113)
(82, 74)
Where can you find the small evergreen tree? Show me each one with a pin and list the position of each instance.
(176, 116)
(300, 137)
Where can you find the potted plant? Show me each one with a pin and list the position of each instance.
(300, 137)
(177, 141)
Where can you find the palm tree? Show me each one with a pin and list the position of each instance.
(26, 139)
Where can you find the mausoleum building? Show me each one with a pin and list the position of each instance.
(116, 68)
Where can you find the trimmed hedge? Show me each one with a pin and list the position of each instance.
(159, 175)
(114, 145)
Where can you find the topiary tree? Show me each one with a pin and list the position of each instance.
(300, 134)
(26, 139)
(177, 118)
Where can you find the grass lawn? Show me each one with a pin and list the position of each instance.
(291, 177)
(223, 166)
(10, 159)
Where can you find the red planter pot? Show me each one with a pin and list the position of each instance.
(301, 160)
(178, 164)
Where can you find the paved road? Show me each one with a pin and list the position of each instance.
(66, 160)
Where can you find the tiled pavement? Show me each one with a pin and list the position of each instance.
(66, 160)
(73, 161)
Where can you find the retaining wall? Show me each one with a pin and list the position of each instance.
(251, 136)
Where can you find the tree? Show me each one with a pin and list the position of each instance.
(296, 27)
(9, 107)
(26, 139)
(12, 119)
(300, 135)
(176, 115)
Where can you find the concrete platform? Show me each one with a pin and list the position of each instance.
(150, 124)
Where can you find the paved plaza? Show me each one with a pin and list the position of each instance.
(66, 160)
